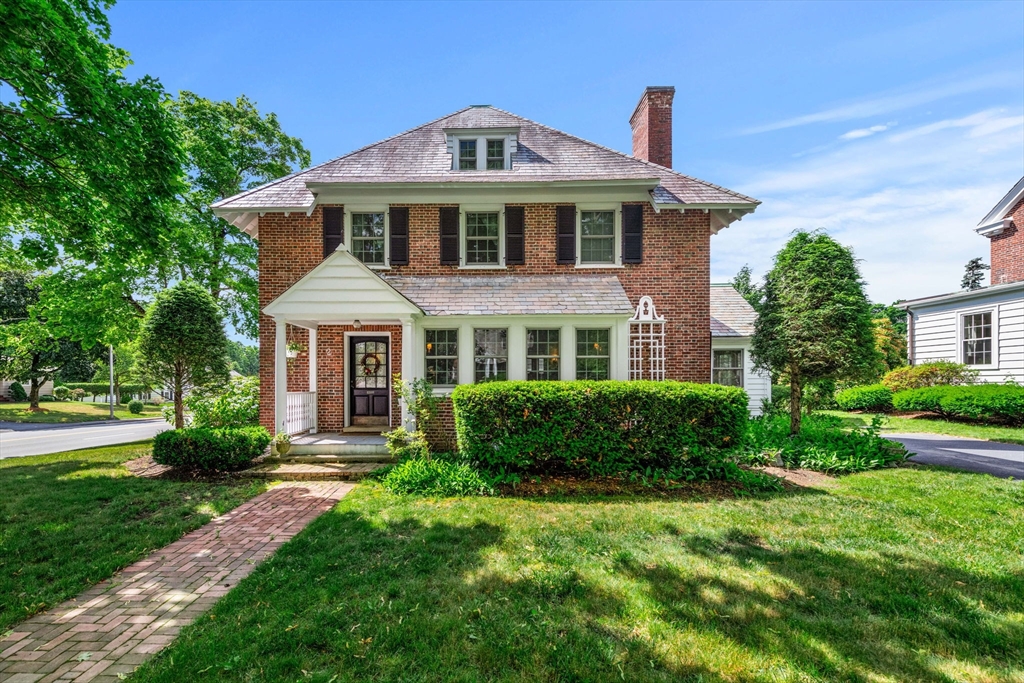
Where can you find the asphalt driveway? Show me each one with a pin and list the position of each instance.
(18, 439)
(974, 455)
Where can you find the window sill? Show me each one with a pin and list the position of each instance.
(483, 267)
(377, 267)
(598, 266)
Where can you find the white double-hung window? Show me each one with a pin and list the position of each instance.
(598, 236)
(482, 149)
(366, 233)
(976, 341)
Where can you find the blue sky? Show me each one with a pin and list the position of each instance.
(895, 126)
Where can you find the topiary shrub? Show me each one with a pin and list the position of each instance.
(873, 397)
(593, 427)
(18, 394)
(135, 407)
(435, 478)
(934, 374)
(210, 450)
(61, 393)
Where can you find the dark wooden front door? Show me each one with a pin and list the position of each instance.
(369, 380)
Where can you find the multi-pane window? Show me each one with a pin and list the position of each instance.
(442, 357)
(368, 238)
(482, 238)
(467, 155)
(592, 357)
(542, 354)
(495, 155)
(597, 237)
(727, 367)
(977, 339)
(490, 355)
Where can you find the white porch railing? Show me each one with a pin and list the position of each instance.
(300, 415)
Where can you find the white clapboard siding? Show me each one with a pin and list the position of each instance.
(756, 383)
(340, 288)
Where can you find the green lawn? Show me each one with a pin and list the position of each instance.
(70, 520)
(894, 423)
(71, 411)
(911, 574)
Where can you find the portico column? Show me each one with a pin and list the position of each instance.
(280, 377)
(407, 364)
(312, 375)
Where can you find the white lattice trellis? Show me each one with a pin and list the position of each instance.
(646, 342)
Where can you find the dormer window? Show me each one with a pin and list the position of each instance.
(482, 149)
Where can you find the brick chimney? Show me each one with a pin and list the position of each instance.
(652, 125)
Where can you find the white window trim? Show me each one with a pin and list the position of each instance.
(616, 209)
(500, 210)
(347, 237)
(742, 368)
(507, 348)
(444, 388)
(509, 145)
(564, 372)
(611, 347)
(960, 314)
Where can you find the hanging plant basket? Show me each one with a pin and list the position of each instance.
(293, 350)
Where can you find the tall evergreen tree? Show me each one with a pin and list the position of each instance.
(815, 321)
(974, 274)
(744, 284)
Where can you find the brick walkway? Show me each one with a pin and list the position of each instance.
(114, 626)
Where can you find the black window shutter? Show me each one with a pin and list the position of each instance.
(565, 232)
(334, 229)
(399, 225)
(449, 235)
(632, 233)
(515, 238)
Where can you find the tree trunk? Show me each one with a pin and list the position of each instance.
(33, 394)
(795, 396)
(179, 405)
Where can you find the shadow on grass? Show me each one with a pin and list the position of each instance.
(73, 520)
(841, 617)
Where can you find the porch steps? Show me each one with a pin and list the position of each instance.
(324, 471)
(343, 447)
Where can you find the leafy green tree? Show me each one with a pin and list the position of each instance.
(815, 321)
(890, 344)
(182, 344)
(974, 274)
(744, 284)
(896, 315)
(245, 360)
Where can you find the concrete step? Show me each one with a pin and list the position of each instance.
(313, 458)
(293, 471)
(337, 449)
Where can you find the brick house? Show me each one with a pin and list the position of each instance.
(982, 328)
(485, 246)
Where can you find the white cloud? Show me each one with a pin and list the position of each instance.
(865, 132)
(906, 202)
(885, 103)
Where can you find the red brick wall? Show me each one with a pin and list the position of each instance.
(1007, 250)
(652, 126)
(675, 274)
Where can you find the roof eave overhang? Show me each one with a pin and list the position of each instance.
(722, 215)
(995, 227)
(960, 296)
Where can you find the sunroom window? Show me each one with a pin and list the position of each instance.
(977, 341)
(482, 234)
(727, 367)
(542, 354)
(597, 237)
(368, 238)
(442, 357)
(490, 355)
(495, 155)
(592, 356)
(467, 155)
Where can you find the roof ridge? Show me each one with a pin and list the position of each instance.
(629, 157)
(338, 158)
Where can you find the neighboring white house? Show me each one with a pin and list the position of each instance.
(5, 389)
(732, 326)
(983, 328)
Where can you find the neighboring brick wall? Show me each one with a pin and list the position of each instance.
(652, 126)
(1007, 250)
(675, 273)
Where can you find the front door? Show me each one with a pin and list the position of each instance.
(369, 381)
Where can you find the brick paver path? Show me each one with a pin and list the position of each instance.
(115, 625)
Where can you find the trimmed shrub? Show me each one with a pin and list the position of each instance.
(873, 397)
(61, 393)
(996, 403)
(18, 394)
(934, 374)
(135, 407)
(595, 427)
(435, 478)
(924, 400)
(210, 450)
(46, 398)
(822, 445)
(103, 388)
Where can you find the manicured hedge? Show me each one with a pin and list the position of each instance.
(938, 373)
(595, 427)
(210, 450)
(996, 403)
(873, 397)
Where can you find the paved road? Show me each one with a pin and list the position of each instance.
(973, 455)
(19, 439)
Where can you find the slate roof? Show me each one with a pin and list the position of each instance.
(731, 315)
(543, 155)
(515, 295)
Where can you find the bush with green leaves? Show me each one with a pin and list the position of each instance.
(405, 445)
(207, 449)
(939, 373)
(236, 404)
(437, 477)
(992, 403)
(47, 398)
(61, 393)
(872, 398)
(595, 428)
(822, 445)
(103, 388)
(135, 407)
(18, 394)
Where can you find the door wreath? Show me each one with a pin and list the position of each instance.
(370, 362)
